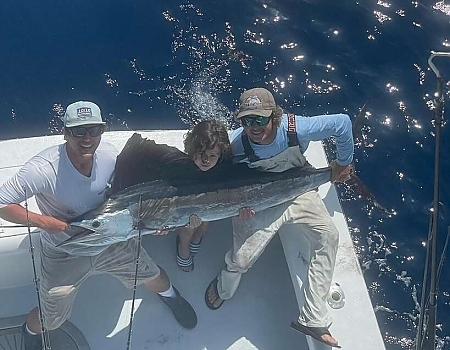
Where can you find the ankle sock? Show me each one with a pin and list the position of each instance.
(28, 330)
(169, 293)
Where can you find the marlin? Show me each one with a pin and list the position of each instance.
(158, 187)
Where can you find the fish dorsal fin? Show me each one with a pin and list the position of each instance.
(132, 195)
(143, 160)
(150, 189)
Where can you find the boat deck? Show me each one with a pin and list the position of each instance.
(257, 317)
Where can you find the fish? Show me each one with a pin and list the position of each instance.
(159, 198)
(354, 182)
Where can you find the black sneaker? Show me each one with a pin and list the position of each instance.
(31, 342)
(181, 309)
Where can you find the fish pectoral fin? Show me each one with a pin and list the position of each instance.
(76, 232)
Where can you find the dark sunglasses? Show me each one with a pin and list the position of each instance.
(260, 121)
(81, 131)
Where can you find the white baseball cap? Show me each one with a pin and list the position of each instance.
(82, 113)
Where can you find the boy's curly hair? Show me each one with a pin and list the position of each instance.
(206, 135)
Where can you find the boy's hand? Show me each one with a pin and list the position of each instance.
(246, 213)
(161, 232)
(194, 221)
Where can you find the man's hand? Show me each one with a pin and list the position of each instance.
(19, 215)
(340, 173)
(246, 213)
(51, 224)
(194, 222)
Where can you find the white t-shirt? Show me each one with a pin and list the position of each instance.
(61, 190)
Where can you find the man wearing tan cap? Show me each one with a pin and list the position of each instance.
(271, 140)
(67, 181)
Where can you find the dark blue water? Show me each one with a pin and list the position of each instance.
(167, 64)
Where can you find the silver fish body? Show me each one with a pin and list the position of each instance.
(168, 207)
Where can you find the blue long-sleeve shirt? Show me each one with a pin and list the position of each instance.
(308, 129)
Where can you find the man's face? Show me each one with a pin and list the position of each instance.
(258, 130)
(207, 159)
(82, 141)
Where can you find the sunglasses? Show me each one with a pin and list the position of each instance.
(260, 121)
(81, 131)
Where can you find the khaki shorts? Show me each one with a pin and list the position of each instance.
(62, 274)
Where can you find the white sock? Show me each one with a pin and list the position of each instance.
(28, 330)
(169, 293)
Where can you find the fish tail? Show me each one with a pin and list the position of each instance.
(362, 190)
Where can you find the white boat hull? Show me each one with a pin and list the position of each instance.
(257, 317)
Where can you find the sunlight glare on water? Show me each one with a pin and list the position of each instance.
(167, 65)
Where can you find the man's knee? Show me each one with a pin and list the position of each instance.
(237, 262)
(328, 241)
(242, 264)
(52, 323)
(57, 306)
(332, 236)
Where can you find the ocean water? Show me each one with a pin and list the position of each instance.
(168, 64)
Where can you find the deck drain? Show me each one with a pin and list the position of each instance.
(67, 337)
(336, 297)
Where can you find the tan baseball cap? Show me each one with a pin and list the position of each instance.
(257, 101)
(82, 113)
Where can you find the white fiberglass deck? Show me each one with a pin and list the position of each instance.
(257, 317)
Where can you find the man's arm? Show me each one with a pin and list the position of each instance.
(342, 167)
(18, 214)
(30, 179)
(321, 127)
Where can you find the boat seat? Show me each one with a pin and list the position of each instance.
(15, 257)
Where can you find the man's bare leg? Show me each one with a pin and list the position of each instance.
(159, 284)
(33, 323)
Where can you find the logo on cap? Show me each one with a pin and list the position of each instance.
(253, 102)
(84, 112)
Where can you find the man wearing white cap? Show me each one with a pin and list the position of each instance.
(67, 181)
(271, 140)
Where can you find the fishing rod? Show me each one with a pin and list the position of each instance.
(17, 226)
(138, 225)
(44, 334)
(426, 329)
